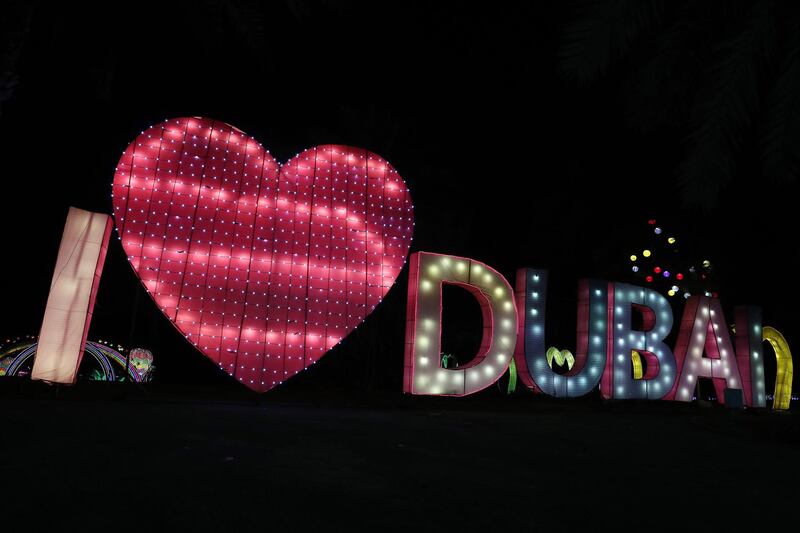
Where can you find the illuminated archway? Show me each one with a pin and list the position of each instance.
(104, 355)
(784, 370)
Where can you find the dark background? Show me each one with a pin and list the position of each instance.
(531, 135)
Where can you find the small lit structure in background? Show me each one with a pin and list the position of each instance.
(142, 361)
(105, 361)
(664, 266)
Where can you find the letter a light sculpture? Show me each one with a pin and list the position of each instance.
(72, 295)
(704, 328)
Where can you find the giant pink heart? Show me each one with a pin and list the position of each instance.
(263, 267)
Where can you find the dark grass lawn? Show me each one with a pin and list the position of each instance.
(183, 460)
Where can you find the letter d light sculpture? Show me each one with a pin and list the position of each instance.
(72, 295)
(423, 371)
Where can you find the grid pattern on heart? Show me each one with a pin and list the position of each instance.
(263, 267)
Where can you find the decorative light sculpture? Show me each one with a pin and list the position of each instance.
(703, 328)
(561, 357)
(659, 374)
(263, 267)
(636, 361)
(512, 377)
(72, 295)
(669, 267)
(423, 373)
(142, 361)
(785, 370)
(15, 360)
(749, 355)
(590, 355)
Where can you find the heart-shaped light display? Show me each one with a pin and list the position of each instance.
(263, 267)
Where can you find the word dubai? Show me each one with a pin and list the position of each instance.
(607, 343)
(264, 267)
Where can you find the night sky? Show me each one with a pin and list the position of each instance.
(513, 157)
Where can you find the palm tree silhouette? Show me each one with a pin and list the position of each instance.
(723, 74)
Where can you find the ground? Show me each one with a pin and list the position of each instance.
(177, 459)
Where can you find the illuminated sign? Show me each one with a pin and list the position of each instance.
(624, 361)
(264, 267)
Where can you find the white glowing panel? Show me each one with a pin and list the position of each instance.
(704, 329)
(423, 371)
(72, 294)
(659, 374)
